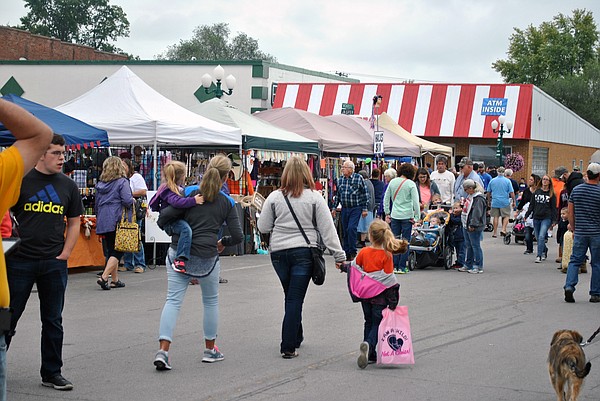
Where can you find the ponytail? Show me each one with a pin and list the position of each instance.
(381, 234)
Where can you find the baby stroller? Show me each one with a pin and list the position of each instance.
(431, 246)
(518, 231)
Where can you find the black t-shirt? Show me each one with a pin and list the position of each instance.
(43, 203)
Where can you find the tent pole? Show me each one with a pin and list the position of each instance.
(155, 165)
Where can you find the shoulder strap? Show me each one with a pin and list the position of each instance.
(399, 186)
(296, 219)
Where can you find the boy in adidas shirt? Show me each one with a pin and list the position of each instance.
(47, 197)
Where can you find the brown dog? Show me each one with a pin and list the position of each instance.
(566, 364)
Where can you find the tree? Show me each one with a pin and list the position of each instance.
(86, 22)
(555, 49)
(213, 43)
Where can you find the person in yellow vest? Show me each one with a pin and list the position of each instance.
(32, 140)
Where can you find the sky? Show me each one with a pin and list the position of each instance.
(446, 41)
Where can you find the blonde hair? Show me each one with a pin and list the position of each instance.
(173, 174)
(112, 169)
(381, 234)
(212, 181)
(296, 176)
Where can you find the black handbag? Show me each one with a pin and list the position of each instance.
(141, 205)
(318, 268)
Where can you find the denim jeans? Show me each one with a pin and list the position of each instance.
(580, 246)
(350, 218)
(401, 228)
(373, 316)
(459, 246)
(474, 253)
(529, 238)
(135, 259)
(183, 229)
(2, 368)
(178, 284)
(50, 278)
(541, 232)
(294, 268)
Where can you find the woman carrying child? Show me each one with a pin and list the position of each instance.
(170, 193)
(376, 261)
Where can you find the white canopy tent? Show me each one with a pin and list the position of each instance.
(132, 112)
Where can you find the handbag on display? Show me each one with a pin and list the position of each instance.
(128, 236)
(395, 343)
(318, 268)
(141, 206)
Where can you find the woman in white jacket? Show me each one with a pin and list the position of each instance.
(290, 253)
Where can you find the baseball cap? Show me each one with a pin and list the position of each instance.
(464, 161)
(594, 168)
(560, 171)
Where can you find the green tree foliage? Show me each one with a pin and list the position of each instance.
(555, 49)
(93, 23)
(212, 42)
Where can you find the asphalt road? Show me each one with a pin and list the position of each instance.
(477, 337)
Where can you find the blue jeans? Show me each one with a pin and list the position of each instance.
(183, 229)
(580, 247)
(2, 368)
(50, 278)
(135, 259)
(178, 284)
(294, 269)
(459, 246)
(474, 253)
(350, 218)
(541, 233)
(529, 238)
(373, 316)
(401, 228)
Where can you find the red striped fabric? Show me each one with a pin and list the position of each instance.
(431, 108)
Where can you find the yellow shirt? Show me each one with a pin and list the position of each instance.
(11, 173)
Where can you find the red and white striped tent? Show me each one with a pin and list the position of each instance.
(429, 110)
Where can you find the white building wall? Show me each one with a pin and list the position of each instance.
(553, 122)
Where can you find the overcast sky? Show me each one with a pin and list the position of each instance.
(371, 40)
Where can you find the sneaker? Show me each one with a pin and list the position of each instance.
(544, 257)
(362, 360)
(139, 269)
(463, 269)
(538, 259)
(569, 295)
(212, 355)
(161, 360)
(595, 298)
(58, 382)
(403, 270)
(473, 271)
(289, 355)
(527, 252)
(178, 265)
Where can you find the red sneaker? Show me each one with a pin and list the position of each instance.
(179, 266)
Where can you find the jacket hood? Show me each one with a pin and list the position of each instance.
(106, 187)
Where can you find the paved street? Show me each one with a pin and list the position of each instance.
(477, 337)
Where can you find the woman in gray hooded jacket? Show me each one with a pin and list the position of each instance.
(473, 219)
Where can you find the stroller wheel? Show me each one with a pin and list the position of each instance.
(412, 261)
(507, 239)
(489, 227)
(448, 256)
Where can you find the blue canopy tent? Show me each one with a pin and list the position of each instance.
(74, 131)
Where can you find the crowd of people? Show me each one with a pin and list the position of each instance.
(47, 205)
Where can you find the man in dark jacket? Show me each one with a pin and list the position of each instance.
(378, 188)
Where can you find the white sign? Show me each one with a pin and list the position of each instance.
(378, 143)
(153, 233)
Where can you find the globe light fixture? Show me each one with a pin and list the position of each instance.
(498, 126)
(219, 90)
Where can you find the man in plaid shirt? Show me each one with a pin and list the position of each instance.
(353, 195)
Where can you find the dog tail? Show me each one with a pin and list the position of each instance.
(579, 372)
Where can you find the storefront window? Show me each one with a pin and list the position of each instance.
(486, 154)
(540, 161)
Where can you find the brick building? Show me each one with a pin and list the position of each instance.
(16, 44)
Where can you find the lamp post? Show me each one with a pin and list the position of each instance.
(218, 74)
(501, 121)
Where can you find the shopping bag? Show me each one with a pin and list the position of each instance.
(395, 344)
(128, 236)
(567, 249)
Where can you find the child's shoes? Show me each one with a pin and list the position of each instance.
(178, 265)
(362, 360)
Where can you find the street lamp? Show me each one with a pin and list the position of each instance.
(218, 74)
(500, 145)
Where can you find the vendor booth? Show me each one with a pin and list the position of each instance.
(149, 128)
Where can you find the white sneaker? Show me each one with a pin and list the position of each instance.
(161, 360)
(473, 270)
(463, 269)
(538, 259)
(362, 360)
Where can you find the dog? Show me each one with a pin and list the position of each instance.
(566, 364)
